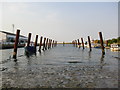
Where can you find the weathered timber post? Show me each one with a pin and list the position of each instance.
(16, 44)
(29, 38)
(63, 43)
(35, 44)
(53, 44)
(101, 41)
(89, 42)
(74, 43)
(44, 44)
(82, 43)
(78, 43)
(56, 43)
(48, 43)
(40, 44)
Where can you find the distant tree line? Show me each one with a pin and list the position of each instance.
(114, 40)
(110, 41)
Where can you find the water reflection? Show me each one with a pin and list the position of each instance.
(89, 54)
(102, 61)
(16, 65)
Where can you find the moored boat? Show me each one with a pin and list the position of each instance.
(30, 50)
(115, 47)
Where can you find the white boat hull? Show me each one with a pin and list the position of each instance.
(115, 49)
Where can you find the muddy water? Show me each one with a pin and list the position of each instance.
(61, 66)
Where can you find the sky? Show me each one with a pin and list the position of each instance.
(61, 21)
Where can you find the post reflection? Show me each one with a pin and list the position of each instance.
(102, 61)
(16, 66)
(89, 53)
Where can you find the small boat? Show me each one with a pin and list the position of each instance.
(97, 46)
(115, 47)
(30, 50)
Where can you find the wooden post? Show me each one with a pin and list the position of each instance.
(29, 37)
(35, 44)
(16, 44)
(78, 43)
(82, 43)
(56, 43)
(101, 41)
(89, 42)
(44, 44)
(53, 44)
(40, 44)
(73, 43)
(63, 43)
(50, 43)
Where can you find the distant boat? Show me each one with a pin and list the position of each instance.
(115, 47)
(97, 46)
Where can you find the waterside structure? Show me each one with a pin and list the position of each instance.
(7, 40)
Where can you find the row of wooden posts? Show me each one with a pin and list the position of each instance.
(47, 43)
(77, 43)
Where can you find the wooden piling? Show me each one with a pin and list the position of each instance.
(63, 43)
(16, 44)
(89, 42)
(78, 43)
(29, 38)
(40, 45)
(56, 43)
(44, 44)
(50, 43)
(73, 43)
(101, 41)
(53, 44)
(82, 43)
(35, 44)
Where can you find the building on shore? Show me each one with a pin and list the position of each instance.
(7, 39)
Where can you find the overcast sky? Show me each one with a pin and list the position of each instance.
(62, 21)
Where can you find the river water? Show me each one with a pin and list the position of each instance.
(61, 66)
